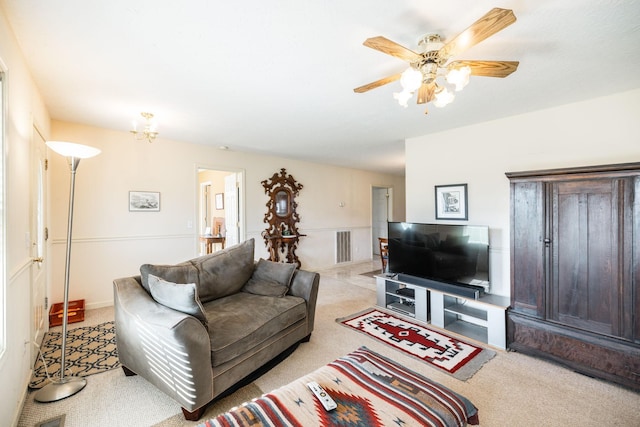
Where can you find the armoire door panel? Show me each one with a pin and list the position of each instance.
(585, 274)
(631, 251)
(527, 235)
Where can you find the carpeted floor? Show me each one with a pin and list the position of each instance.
(511, 389)
(245, 394)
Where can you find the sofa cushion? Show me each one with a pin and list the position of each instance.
(239, 322)
(180, 297)
(216, 275)
(224, 272)
(178, 273)
(270, 278)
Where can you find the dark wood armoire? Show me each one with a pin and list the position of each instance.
(575, 265)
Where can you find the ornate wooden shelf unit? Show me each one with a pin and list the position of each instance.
(282, 235)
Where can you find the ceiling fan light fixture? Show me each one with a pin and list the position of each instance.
(443, 97)
(430, 43)
(459, 77)
(429, 71)
(411, 80)
(428, 62)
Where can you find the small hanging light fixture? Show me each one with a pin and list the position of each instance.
(149, 132)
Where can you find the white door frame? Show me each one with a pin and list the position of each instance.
(241, 173)
(38, 237)
(377, 215)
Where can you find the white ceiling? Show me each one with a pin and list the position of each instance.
(277, 77)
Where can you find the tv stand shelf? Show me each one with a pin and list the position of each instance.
(402, 297)
(464, 310)
(483, 319)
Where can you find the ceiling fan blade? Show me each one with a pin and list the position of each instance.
(487, 68)
(426, 92)
(377, 83)
(392, 48)
(493, 21)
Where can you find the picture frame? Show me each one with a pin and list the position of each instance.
(451, 202)
(144, 201)
(219, 201)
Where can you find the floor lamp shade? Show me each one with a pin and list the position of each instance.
(71, 149)
(65, 386)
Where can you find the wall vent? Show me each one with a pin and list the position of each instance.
(343, 246)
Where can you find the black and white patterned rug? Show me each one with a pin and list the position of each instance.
(90, 350)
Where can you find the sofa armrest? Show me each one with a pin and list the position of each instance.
(168, 348)
(305, 285)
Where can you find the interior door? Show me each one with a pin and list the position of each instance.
(206, 219)
(38, 234)
(231, 209)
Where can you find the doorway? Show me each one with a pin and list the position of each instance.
(220, 206)
(381, 213)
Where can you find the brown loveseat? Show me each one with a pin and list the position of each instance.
(196, 329)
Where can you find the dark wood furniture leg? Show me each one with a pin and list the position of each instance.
(128, 372)
(195, 415)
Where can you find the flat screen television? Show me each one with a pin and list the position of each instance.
(452, 254)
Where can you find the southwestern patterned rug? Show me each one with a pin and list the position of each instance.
(90, 350)
(458, 358)
(369, 390)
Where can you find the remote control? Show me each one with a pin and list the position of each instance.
(324, 398)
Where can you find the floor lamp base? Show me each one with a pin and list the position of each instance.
(59, 389)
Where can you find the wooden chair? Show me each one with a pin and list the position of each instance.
(384, 252)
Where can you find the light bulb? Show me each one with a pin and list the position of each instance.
(443, 97)
(403, 97)
(411, 79)
(459, 77)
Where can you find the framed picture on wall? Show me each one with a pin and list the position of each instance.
(144, 201)
(219, 201)
(451, 202)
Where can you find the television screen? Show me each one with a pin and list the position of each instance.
(457, 254)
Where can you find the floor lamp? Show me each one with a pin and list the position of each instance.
(66, 386)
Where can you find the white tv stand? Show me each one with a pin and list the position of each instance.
(483, 319)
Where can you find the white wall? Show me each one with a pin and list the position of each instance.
(110, 242)
(599, 131)
(24, 109)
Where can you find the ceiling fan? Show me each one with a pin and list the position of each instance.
(430, 62)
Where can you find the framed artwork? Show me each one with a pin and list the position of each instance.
(451, 202)
(144, 201)
(219, 201)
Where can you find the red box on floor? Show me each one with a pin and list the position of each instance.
(75, 312)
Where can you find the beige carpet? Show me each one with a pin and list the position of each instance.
(511, 389)
(223, 405)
